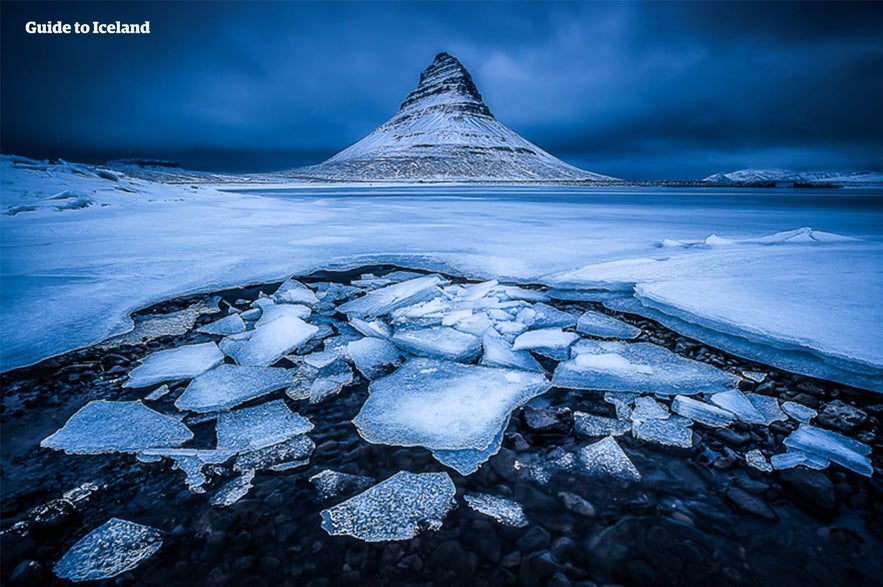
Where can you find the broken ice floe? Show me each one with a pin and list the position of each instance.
(439, 342)
(329, 381)
(702, 412)
(183, 362)
(103, 426)
(158, 393)
(647, 408)
(396, 509)
(604, 326)
(276, 457)
(540, 316)
(767, 407)
(392, 297)
(275, 334)
(504, 511)
(376, 328)
(232, 324)
(152, 326)
(736, 402)
(592, 425)
(638, 367)
(499, 353)
(294, 292)
(673, 431)
(227, 386)
(330, 484)
(795, 458)
(549, 342)
(799, 412)
(191, 461)
(373, 357)
(756, 459)
(113, 548)
(468, 460)
(233, 490)
(835, 447)
(444, 406)
(606, 459)
(259, 426)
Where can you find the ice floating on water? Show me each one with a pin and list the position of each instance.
(444, 406)
(673, 431)
(638, 367)
(184, 362)
(702, 412)
(544, 316)
(549, 342)
(795, 458)
(275, 334)
(293, 450)
(505, 511)
(102, 426)
(260, 426)
(190, 461)
(227, 386)
(294, 292)
(392, 297)
(647, 408)
(233, 491)
(440, 342)
(756, 459)
(373, 357)
(606, 459)
(736, 402)
(232, 324)
(499, 353)
(592, 425)
(330, 484)
(799, 412)
(158, 393)
(835, 447)
(768, 407)
(396, 509)
(466, 461)
(113, 548)
(377, 328)
(604, 326)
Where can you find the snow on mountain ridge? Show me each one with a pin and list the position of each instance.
(765, 176)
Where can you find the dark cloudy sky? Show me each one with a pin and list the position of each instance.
(636, 90)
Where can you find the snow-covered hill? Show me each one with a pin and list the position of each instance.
(789, 178)
(443, 131)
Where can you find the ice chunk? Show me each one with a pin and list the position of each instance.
(330, 381)
(799, 412)
(396, 509)
(647, 408)
(377, 328)
(544, 316)
(227, 386)
(183, 362)
(275, 334)
(835, 447)
(622, 401)
(392, 297)
(373, 357)
(439, 342)
(321, 359)
(330, 484)
(513, 292)
(259, 426)
(768, 407)
(604, 326)
(592, 425)
(504, 511)
(549, 342)
(795, 458)
(103, 426)
(735, 401)
(702, 412)
(158, 393)
(638, 367)
(293, 450)
(190, 461)
(606, 459)
(476, 325)
(673, 431)
(466, 461)
(109, 550)
(294, 292)
(444, 406)
(756, 459)
(232, 324)
(233, 491)
(499, 353)
(755, 376)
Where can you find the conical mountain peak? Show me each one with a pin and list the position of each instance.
(446, 82)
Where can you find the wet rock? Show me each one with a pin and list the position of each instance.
(577, 505)
(450, 555)
(547, 421)
(811, 489)
(513, 559)
(536, 569)
(534, 539)
(28, 573)
(559, 579)
(808, 400)
(563, 549)
(810, 388)
(746, 503)
(487, 547)
(731, 437)
(841, 416)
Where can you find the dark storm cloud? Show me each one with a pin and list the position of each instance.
(631, 89)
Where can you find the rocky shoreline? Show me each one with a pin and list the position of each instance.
(699, 514)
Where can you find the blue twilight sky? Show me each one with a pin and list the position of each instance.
(635, 90)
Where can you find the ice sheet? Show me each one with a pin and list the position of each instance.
(278, 332)
(227, 386)
(109, 550)
(439, 342)
(604, 326)
(505, 511)
(260, 426)
(183, 362)
(832, 446)
(373, 357)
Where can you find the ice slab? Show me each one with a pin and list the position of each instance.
(396, 509)
(275, 334)
(638, 367)
(799, 412)
(604, 326)
(499, 353)
(736, 402)
(373, 357)
(259, 426)
(392, 297)
(190, 461)
(466, 461)
(233, 490)
(227, 386)
(330, 381)
(592, 425)
(702, 412)
(439, 342)
(549, 342)
(293, 450)
(606, 459)
(540, 316)
(835, 447)
(768, 407)
(444, 406)
(158, 393)
(795, 458)
(647, 408)
(232, 324)
(109, 550)
(183, 362)
(504, 511)
(673, 431)
(375, 328)
(756, 459)
(294, 292)
(329, 484)
(103, 426)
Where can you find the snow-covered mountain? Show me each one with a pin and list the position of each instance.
(764, 177)
(443, 131)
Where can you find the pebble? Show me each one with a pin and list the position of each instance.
(534, 539)
(841, 416)
(577, 505)
(745, 502)
(812, 489)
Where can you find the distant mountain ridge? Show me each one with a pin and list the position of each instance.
(766, 177)
(443, 132)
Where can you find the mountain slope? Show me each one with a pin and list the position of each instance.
(763, 177)
(443, 131)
